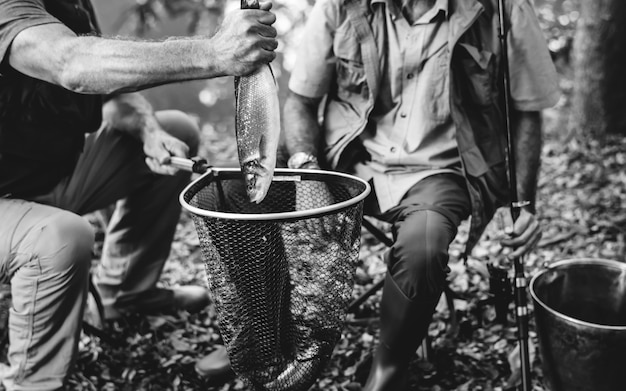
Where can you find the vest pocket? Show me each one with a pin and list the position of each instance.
(479, 68)
(350, 79)
(438, 87)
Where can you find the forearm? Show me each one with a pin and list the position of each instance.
(303, 132)
(100, 66)
(527, 135)
(132, 114)
(95, 65)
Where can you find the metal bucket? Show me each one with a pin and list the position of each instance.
(580, 315)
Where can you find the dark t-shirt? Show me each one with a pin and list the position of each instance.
(42, 126)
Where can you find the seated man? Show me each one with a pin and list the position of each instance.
(74, 138)
(413, 97)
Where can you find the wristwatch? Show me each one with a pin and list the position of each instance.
(302, 160)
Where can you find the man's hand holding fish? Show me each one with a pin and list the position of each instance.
(245, 39)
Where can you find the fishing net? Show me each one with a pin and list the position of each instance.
(281, 272)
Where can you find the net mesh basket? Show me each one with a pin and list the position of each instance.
(281, 272)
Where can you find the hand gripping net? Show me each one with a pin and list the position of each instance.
(281, 272)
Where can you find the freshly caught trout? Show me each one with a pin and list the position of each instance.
(257, 126)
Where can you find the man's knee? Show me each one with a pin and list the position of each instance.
(65, 240)
(419, 257)
(182, 126)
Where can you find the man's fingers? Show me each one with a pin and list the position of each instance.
(268, 19)
(265, 5)
(269, 44)
(158, 168)
(522, 223)
(265, 31)
(524, 235)
(159, 154)
(269, 55)
(264, 17)
(515, 228)
(175, 148)
(524, 246)
(528, 247)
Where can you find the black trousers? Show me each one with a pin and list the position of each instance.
(423, 225)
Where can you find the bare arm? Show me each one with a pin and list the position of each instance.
(133, 114)
(526, 127)
(303, 132)
(94, 65)
(525, 233)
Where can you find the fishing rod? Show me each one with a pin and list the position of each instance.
(521, 300)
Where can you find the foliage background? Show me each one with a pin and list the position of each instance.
(581, 202)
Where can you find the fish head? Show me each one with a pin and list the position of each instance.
(257, 179)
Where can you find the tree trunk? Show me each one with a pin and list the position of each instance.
(599, 96)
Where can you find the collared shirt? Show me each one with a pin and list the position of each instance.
(413, 136)
(329, 62)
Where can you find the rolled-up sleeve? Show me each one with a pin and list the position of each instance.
(534, 82)
(18, 15)
(315, 62)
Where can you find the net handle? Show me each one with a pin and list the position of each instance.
(196, 164)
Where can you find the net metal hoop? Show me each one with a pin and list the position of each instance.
(282, 174)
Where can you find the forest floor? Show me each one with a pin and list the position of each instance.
(581, 204)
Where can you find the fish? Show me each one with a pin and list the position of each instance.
(257, 126)
(257, 130)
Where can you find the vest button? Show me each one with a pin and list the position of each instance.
(403, 115)
(409, 76)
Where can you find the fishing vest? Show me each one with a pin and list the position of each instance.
(43, 126)
(475, 97)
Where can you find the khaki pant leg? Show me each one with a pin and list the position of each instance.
(111, 170)
(45, 253)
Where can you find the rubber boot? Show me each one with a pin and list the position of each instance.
(216, 365)
(403, 325)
